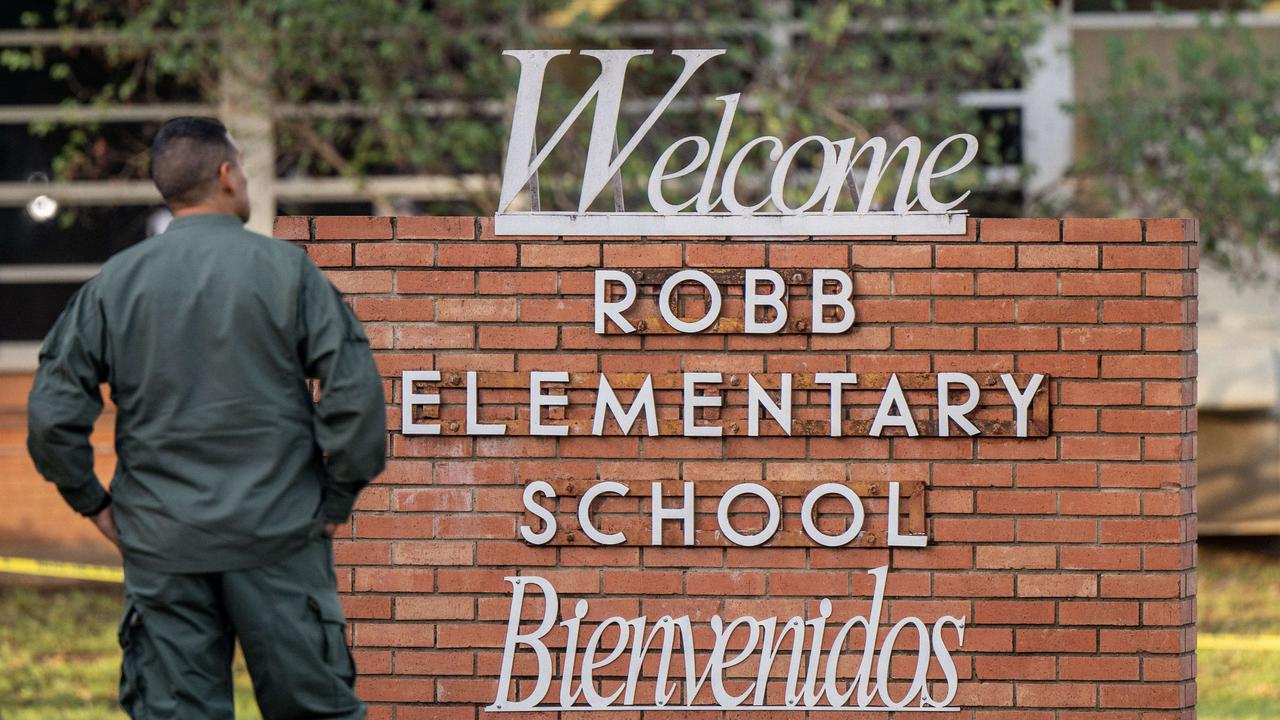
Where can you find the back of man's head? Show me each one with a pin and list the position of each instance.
(186, 156)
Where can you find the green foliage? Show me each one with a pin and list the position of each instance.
(382, 60)
(893, 69)
(1195, 137)
(427, 90)
(856, 68)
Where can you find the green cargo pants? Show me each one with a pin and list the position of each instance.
(179, 630)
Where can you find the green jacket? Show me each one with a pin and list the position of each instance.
(206, 334)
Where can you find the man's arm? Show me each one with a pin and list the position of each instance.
(350, 420)
(65, 401)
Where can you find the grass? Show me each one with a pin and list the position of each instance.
(1239, 600)
(59, 659)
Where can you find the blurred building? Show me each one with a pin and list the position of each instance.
(1239, 407)
(46, 252)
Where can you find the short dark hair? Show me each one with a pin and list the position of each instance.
(185, 156)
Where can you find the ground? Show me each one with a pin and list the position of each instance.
(1239, 630)
(59, 659)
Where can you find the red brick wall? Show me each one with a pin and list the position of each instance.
(35, 521)
(1072, 556)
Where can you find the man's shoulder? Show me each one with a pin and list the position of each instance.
(275, 246)
(162, 243)
(237, 232)
(129, 256)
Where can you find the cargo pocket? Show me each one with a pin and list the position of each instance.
(336, 654)
(131, 680)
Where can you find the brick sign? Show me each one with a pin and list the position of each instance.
(657, 474)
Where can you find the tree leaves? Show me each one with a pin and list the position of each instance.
(852, 68)
(1196, 137)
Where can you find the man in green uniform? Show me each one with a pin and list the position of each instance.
(229, 480)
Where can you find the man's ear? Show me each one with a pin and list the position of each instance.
(225, 181)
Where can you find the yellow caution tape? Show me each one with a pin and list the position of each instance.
(1227, 641)
(49, 568)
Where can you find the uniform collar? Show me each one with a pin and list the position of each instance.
(205, 220)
